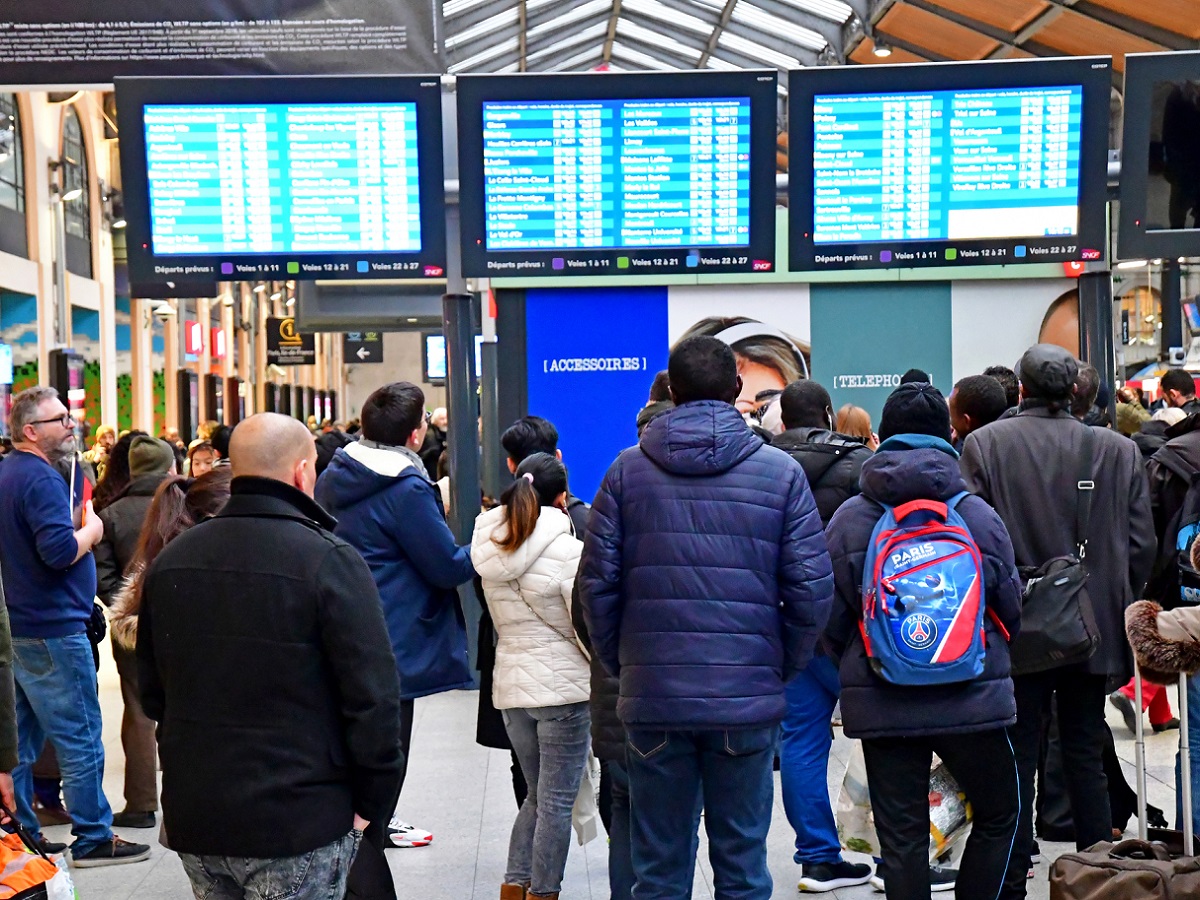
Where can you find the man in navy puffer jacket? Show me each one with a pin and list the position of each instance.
(705, 583)
(902, 726)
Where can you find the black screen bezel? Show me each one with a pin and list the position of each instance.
(761, 86)
(1094, 73)
(1134, 240)
(133, 94)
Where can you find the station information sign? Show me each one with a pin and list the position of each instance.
(283, 178)
(601, 175)
(948, 164)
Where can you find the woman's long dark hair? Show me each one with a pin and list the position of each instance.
(541, 479)
(116, 472)
(178, 504)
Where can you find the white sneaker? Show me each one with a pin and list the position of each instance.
(401, 834)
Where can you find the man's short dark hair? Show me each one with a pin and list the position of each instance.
(703, 368)
(805, 404)
(527, 436)
(1087, 386)
(982, 398)
(392, 413)
(1178, 380)
(1008, 380)
(915, 376)
(220, 440)
(660, 388)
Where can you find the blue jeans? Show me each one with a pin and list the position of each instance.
(317, 875)
(1193, 699)
(733, 768)
(552, 744)
(56, 698)
(804, 762)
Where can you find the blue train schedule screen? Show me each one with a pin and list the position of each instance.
(283, 178)
(613, 174)
(946, 165)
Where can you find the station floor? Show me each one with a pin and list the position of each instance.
(463, 794)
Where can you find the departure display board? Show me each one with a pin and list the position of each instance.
(610, 175)
(982, 174)
(243, 189)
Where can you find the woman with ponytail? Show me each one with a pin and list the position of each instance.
(178, 504)
(526, 555)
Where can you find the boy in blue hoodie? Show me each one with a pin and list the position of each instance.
(389, 510)
(902, 726)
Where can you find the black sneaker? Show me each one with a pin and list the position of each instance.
(821, 877)
(112, 853)
(940, 879)
(1125, 706)
(49, 847)
(127, 819)
(1035, 854)
(1169, 725)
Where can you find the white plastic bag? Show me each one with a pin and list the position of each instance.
(585, 814)
(949, 811)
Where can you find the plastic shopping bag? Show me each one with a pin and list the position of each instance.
(585, 814)
(949, 811)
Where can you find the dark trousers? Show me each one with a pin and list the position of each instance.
(898, 777)
(137, 739)
(1079, 702)
(370, 875)
(406, 725)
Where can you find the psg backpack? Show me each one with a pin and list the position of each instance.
(1186, 529)
(923, 596)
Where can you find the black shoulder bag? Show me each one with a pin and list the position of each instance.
(1058, 625)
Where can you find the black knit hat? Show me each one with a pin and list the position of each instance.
(915, 408)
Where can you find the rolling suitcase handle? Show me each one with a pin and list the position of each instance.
(1185, 759)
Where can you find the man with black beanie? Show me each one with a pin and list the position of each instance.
(902, 726)
(1030, 468)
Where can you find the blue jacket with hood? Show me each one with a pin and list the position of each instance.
(911, 467)
(705, 581)
(389, 511)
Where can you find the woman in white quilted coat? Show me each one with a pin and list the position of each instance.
(526, 554)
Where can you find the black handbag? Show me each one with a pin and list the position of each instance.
(1058, 624)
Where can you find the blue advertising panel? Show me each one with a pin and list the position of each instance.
(591, 355)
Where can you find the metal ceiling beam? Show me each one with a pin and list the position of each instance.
(667, 57)
(545, 63)
(858, 26)
(716, 35)
(523, 21)
(1169, 39)
(606, 55)
(481, 13)
(806, 56)
(828, 29)
(1006, 39)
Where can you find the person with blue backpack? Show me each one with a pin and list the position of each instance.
(926, 599)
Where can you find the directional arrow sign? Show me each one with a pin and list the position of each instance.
(363, 346)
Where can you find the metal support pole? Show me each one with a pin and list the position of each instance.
(1172, 309)
(62, 328)
(489, 403)
(1096, 341)
(1185, 755)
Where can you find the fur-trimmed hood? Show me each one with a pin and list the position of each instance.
(1165, 643)
(123, 618)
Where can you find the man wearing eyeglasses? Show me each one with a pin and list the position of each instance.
(50, 581)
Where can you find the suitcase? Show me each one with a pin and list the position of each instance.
(1158, 864)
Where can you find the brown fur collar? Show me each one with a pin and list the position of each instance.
(1160, 660)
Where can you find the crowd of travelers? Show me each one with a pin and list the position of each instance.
(280, 596)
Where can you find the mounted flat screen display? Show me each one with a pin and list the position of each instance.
(948, 164)
(434, 353)
(1160, 156)
(302, 178)
(613, 174)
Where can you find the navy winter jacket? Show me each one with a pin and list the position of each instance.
(705, 579)
(389, 511)
(912, 467)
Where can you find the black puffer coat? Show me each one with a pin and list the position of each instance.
(832, 462)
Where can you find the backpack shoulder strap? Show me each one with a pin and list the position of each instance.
(1085, 487)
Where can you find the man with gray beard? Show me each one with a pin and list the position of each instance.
(50, 581)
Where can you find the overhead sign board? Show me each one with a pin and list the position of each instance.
(362, 347)
(288, 347)
(81, 42)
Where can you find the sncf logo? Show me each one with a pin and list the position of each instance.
(915, 554)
